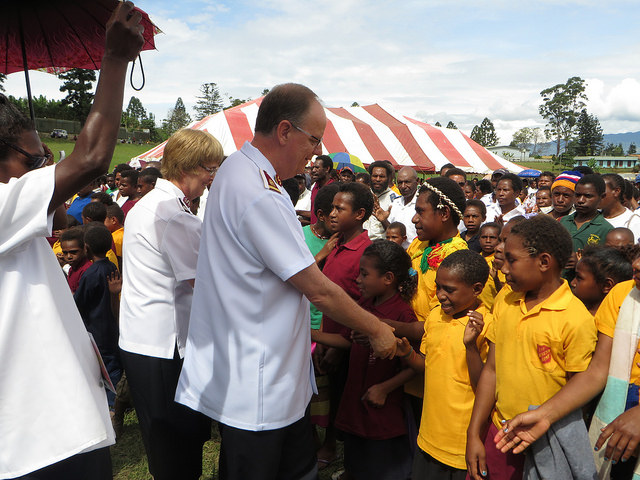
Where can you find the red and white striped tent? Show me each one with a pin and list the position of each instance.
(370, 133)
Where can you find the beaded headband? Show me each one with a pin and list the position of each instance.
(444, 198)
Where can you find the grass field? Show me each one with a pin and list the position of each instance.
(130, 462)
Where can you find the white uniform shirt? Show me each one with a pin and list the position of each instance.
(627, 219)
(203, 203)
(372, 225)
(404, 213)
(52, 400)
(248, 357)
(159, 255)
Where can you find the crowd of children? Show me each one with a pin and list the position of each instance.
(493, 305)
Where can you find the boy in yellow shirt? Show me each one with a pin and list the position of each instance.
(453, 350)
(541, 334)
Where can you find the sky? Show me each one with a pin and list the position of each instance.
(432, 60)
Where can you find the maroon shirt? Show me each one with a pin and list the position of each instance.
(314, 192)
(356, 416)
(75, 275)
(126, 206)
(342, 267)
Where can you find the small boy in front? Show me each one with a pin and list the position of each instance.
(475, 213)
(489, 240)
(72, 243)
(397, 233)
(451, 356)
(541, 334)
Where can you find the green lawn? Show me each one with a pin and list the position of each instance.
(130, 461)
(123, 154)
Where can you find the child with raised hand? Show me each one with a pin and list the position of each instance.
(451, 356)
(72, 244)
(371, 413)
(541, 334)
(597, 272)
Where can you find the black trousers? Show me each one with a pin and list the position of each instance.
(286, 453)
(94, 465)
(173, 434)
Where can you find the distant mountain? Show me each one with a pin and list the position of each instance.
(626, 139)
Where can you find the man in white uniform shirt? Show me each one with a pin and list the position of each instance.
(381, 172)
(403, 208)
(160, 250)
(54, 418)
(248, 356)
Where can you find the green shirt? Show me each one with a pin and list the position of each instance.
(315, 244)
(591, 233)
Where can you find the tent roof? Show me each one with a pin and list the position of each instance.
(370, 132)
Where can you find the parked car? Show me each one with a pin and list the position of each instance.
(59, 133)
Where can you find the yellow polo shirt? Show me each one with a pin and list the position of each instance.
(607, 316)
(117, 240)
(535, 349)
(448, 396)
(488, 295)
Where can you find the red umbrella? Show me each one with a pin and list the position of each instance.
(57, 35)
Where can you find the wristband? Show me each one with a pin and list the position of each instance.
(404, 357)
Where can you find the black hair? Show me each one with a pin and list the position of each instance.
(445, 166)
(584, 170)
(72, 221)
(291, 187)
(628, 190)
(326, 161)
(365, 177)
(96, 211)
(98, 238)
(543, 234)
(485, 186)
(289, 101)
(495, 225)
(121, 167)
(391, 257)
(103, 198)
(516, 220)
(114, 210)
(386, 164)
(73, 234)
(607, 262)
(151, 171)
(547, 174)
(455, 171)
(470, 266)
(516, 181)
(470, 183)
(544, 188)
(361, 197)
(449, 189)
(132, 175)
(595, 180)
(624, 230)
(324, 198)
(479, 204)
(400, 226)
(617, 181)
(12, 124)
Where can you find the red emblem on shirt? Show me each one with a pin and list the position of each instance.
(544, 353)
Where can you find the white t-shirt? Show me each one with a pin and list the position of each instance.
(404, 213)
(159, 256)
(248, 356)
(495, 211)
(627, 219)
(304, 201)
(372, 224)
(52, 399)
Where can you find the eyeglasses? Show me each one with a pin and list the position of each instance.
(312, 137)
(34, 161)
(210, 170)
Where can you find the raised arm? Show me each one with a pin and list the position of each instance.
(94, 149)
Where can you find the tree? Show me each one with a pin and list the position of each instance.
(209, 101)
(264, 92)
(561, 105)
(176, 119)
(135, 113)
(612, 150)
(589, 135)
(234, 102)
(632, 149)
(538, 136)
(149, 123)
(438, 124)
(3, 77)
(355, 104)
(485, 133)
(451, 125)
(77, 83)
(522, 137)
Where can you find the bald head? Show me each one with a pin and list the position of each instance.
(407, 179)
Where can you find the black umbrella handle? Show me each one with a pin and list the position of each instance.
(137, 89)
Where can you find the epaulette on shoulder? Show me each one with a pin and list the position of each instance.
(269, 182)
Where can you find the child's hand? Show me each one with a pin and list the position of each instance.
(474, 327)
(404, 347)
(476, 458)
(375, 396)
(115, 282)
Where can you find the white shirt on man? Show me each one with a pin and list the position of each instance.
(372, 224)
(627, 219)
(403, 213)
(248, 357)
(304, 201)
(52, 399)
(159, 255)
